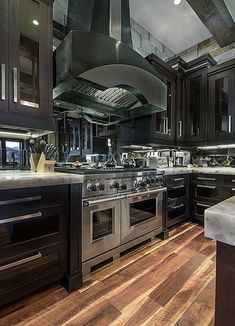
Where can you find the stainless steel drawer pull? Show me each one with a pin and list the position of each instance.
(178, 187)
(3, 82)
(207, 179)
(178, 179)
(19, 200)
(178, 206)
(208, 187)
(233, 189)
(203, 205)
(21, 262)
(15, 85)
(230, 124)
(20, 218)
(233, 181)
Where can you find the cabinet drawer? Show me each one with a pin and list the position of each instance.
(199, 209)
(176, 192)
(23, 273)
(48, 223)
(176, 180)
(229, 181)
(175, 211)
(206, 179)
(20, 199)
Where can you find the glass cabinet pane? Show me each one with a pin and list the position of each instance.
(29, 53)
(195, 106)
(221, 105)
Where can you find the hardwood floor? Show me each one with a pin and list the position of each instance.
(169, 282)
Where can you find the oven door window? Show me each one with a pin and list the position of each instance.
(102, 223)
(142, 211)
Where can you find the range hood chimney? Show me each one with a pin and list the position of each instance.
(98, 72)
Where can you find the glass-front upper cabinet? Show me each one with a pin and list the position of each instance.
(196, 88)
(29, 67)
(221, 104)
(164, 121)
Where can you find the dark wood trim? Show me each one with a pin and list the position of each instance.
(73, 279)
(215, 16)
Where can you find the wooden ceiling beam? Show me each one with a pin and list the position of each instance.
(215, 16)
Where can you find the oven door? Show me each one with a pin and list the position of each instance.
(101, 226)
(141, 214)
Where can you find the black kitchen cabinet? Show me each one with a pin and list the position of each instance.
(177, 198)
(196, 104)
(40, 239)
(163, 123)
(221, 102)
(26, 64)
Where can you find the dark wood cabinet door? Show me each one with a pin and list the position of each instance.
(196, 105)
(30, 59)
(221, 124)
(164, 122)
(4, 56)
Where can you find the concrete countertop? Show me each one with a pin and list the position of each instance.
(220, 222)
(24, 179)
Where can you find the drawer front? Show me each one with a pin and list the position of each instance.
(18, 228)
(21, 199)
(206, 179)
(21, 274)
(199, 208)
(176, 180)
(229, 181)
(176, 210)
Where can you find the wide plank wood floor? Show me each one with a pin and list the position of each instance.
(169, 282)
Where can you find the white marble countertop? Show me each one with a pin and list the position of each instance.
(210, 170)
(12, 179)
(220, 222)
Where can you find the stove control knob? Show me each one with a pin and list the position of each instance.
(91, 187)
(114, 185)
(100, 186)
(123, 186)
(141, 183)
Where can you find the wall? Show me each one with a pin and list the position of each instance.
(144, 43)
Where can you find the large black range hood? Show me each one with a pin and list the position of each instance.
(102, 77)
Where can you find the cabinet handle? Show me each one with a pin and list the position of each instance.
(178, 179)
(164, 125)
(178, 206)
(230, 124)
(180, 128)
(207, 179)
(15, 84)
(20, 218)
(178, 187)
(203, 205)
(3, 80)
(208, 187)
(20, 262)
(19, 200)
(233, 189)
(167, 130)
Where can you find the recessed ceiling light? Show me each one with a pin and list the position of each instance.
(36, 22)
(177, 2)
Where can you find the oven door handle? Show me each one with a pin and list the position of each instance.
(88, 203)
(148, 192)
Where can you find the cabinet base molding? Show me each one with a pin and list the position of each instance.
(74, 282)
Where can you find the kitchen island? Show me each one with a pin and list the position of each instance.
(220, 226)
(40, 232)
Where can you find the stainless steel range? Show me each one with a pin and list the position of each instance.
(121, 208)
